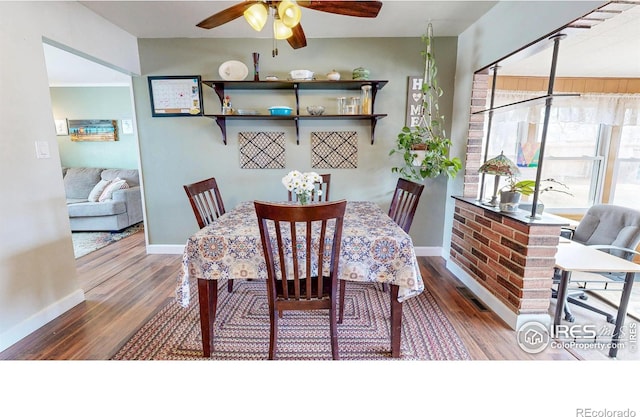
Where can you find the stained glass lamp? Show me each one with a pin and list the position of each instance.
(498, 166)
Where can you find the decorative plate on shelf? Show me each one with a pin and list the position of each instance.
(233, 71)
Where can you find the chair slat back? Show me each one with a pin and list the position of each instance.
(404, 203)
(315, 198)
(301, 246)
(205, 200)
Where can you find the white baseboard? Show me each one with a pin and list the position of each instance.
(33, 323)
(428, 251)
(165, 249)
(515, 321)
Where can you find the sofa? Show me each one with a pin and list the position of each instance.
(102, 199)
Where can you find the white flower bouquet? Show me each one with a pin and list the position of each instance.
(302, 184)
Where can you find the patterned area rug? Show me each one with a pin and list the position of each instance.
(242, 329)
(87, 242)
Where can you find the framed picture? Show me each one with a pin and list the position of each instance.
(176, 95)
(62, 129)
(93, 130)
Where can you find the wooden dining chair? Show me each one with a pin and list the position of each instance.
(323, 186)
(402, 210)
(405, 202)
(306, 239)
(206, 202)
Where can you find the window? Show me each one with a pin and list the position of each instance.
(626, 176)
(592, 146)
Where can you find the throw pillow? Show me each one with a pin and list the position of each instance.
(97, 191)
(116, 184)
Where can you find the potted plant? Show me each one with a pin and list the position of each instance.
(548, 185)
(425, 147)
(510, 194)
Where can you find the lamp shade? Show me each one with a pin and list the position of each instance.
(500, 165)
(289, 12)
(256, 16)
(280, 31)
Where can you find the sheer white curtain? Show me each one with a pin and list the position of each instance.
(609, 109)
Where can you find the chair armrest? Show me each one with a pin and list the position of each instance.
(625, 253)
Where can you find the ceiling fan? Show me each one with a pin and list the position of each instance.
(286, 16)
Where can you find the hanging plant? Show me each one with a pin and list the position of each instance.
(425, 147)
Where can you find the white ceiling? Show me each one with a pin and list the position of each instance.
(608, 49)
(611, 48)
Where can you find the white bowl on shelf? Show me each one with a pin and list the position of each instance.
(301, 75)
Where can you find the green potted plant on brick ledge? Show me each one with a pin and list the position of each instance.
(425, 147)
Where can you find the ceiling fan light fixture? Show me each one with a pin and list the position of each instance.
(289, 12)
(256, 16)
(280, 30)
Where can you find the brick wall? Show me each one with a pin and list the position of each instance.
(512, 259)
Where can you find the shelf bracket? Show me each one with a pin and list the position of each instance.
(374, 121)
(222, 123)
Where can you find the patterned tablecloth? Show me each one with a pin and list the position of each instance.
(374, 249)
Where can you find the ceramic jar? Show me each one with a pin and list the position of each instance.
(361, 73)
(333, 75)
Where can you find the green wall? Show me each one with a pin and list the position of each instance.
(180, 150)
(80, 103)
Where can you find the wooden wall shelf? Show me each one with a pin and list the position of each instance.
(221, 86)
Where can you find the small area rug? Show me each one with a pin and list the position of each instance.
(242, 329)
(87, 242)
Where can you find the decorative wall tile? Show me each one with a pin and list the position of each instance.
(334, 150)
(261, 150)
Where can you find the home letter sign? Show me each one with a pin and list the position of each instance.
(414, 101)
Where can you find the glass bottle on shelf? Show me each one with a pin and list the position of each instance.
(365, 99)
(353, 105)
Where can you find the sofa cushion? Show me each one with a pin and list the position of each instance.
(108, 208)
(78, 182)
(97, 191)
(130, 175)
(116, 184)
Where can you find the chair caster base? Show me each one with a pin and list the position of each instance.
(569, 317)
(583, 297)
(611, 320)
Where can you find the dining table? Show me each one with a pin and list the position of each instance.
(374, 249)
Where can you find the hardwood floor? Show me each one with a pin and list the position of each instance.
(124, 287)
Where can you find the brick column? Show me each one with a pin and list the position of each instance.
(511, 256)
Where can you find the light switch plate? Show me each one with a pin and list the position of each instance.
(42, 149)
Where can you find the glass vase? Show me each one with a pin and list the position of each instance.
(304, 198)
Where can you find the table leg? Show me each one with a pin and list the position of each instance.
(622, 313)
(396, 322)
(562, 295)
(208, 299)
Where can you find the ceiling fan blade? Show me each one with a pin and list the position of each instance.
(347, 8)
(227, 15)
(298, 39)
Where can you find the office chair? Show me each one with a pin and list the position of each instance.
(302, 267)
(613, 229)
(206, 202)
(315, 196)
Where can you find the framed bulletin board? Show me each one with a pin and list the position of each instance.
(176, 95)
